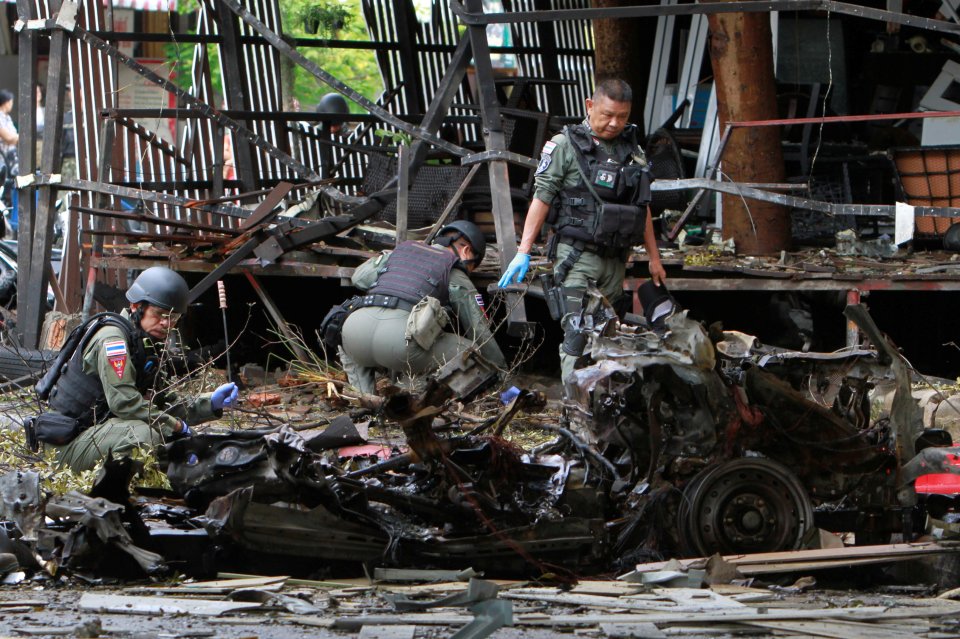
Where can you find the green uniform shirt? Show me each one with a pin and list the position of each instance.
(464, 300)
(558, 165)
(118, 377)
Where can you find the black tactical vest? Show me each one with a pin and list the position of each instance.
(414, 271)
(80, 395)
(617, 221)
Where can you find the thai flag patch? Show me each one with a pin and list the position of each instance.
(116, 352)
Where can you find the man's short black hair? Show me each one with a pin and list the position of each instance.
(615, 89)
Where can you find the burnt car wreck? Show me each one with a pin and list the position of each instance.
(674, 440)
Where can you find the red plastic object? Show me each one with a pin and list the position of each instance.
(938, 484)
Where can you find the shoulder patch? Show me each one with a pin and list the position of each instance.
(545, 160)
(549, 146)
(114, 347)
(116, 352)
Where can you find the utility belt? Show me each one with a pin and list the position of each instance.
(596, 249)
(382, 301)
(332, 325)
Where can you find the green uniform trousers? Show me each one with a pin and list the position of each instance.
(114, 435)
(376, 338)
(606, 272)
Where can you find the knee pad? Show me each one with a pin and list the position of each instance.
(574, 342)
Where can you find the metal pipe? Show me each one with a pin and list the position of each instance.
(222, 292)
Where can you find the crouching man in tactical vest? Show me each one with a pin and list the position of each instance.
(401, 323)
(106, 390)
(593, 188)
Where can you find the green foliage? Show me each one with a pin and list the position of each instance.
(354, 67)
(336, 19)
(58, 480)
(324, 17)
(394, 137)
(53, 479)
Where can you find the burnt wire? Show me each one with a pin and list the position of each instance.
(826, 94)
(769, 417)
(746, 206)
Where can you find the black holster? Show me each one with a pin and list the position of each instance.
(553, 294)
(332, 325)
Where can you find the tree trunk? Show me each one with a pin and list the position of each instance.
(622, 50)
(741, 54)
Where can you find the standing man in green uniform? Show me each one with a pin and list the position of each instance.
(593, 187)
(398, 325)
(112, 387)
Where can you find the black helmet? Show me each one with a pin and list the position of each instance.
(333, 103)
(470, 231)
(160, 287)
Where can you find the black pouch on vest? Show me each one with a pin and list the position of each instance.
(618, 225)
(332, 324)
(54, 428)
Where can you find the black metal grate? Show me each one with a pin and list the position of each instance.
(429, 194)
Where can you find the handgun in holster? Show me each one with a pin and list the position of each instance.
(553, 294)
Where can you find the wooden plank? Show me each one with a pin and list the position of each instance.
(235, 89)
(628, 630)
(294, 341)
(388, 632)
(701, 598)
(411, 574)
(221, 586)
(555, 620)
(495, 141)
(440, 588)
(135, 605)
(837, 629)
(608, 587)
(403, 194)
(628, 603)
(803, 556)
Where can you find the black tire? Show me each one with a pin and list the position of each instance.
(18, 363)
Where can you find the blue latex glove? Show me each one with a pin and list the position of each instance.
(509, 395)
(184, 430)
(517, 268)
(224, 396)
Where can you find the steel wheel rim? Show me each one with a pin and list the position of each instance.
(744, 505)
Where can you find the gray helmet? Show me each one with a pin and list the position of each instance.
(333, 103)
(470, 231)
(160, 287)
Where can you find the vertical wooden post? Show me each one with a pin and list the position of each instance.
(407, 28)
(517, 324)
(30, 315)
(403, 194)
(233, 84)
(26, 150)
(741, 53)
